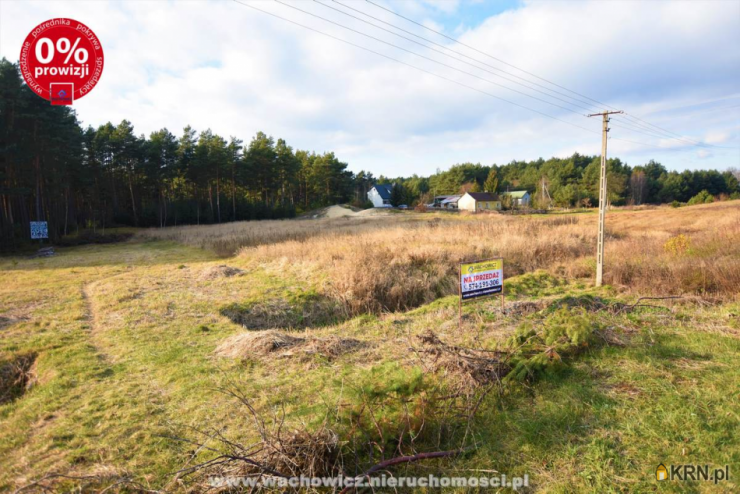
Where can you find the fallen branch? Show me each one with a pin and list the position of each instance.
(400, 460)
(638, 304)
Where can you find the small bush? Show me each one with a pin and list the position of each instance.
(539, 350)
(531, 284)
(703, 197)
(677, 245)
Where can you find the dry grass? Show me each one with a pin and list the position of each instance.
(405, 265)
(398, 262)
(220, 271)
(272, 343)
(694, 250)
(227, 238)
(465, 368)
(255, 344)
(410, 264)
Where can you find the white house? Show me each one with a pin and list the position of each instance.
(437, 202)
(479, 201)
(380, 195)
(450, 202)
(519, 198)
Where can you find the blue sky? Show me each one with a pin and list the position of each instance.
(224, 66)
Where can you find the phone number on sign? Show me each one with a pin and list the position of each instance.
(479, 285)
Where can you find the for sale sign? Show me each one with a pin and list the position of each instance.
(481, 278)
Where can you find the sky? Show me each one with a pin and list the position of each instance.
(225, 66)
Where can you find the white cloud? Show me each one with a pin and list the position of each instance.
(225, 66)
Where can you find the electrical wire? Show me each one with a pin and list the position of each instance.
(625, 125)
(633, 118)
(590, 108)
(416, 68)
(441, 76)
(425, 57)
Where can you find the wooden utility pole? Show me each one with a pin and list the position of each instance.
(602, 197)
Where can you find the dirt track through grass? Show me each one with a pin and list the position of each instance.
(91, 315)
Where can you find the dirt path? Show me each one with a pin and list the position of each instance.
(93, 319)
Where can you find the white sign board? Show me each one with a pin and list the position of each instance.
(39, 229)
(481, 278)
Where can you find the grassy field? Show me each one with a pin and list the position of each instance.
(336, 340)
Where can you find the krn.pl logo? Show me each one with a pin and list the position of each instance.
(661, 473)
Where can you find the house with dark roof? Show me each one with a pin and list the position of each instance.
(479, 201)
(380, 195)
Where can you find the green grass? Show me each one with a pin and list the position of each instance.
(605, 423)
(124, 362)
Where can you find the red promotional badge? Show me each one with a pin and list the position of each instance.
(61, 60)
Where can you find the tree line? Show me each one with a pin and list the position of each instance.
(52, 169)
(572, 182)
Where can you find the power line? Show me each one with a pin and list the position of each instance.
(456, 52)
(626, 125)
(644, 129)
(424, 57)
(639, 131)
(450, 56)
(415, 67)
(633, 118)
(681, 138)
(484, 53)
(433, 73)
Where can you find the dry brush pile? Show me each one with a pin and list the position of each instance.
(277, 344)
(17, 375)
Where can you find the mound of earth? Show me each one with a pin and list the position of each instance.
(256, 343)
(345, 211)
(278, 344)
(377, 212)
(335, 211)
(220, 271)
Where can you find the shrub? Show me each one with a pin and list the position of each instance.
(677, 245)
(703, 197)
(535, 351)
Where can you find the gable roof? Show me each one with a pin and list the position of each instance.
(451, 199)
(384, 190)
(483, 196)
(517, 194)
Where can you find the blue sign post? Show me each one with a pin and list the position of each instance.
(39, 230)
